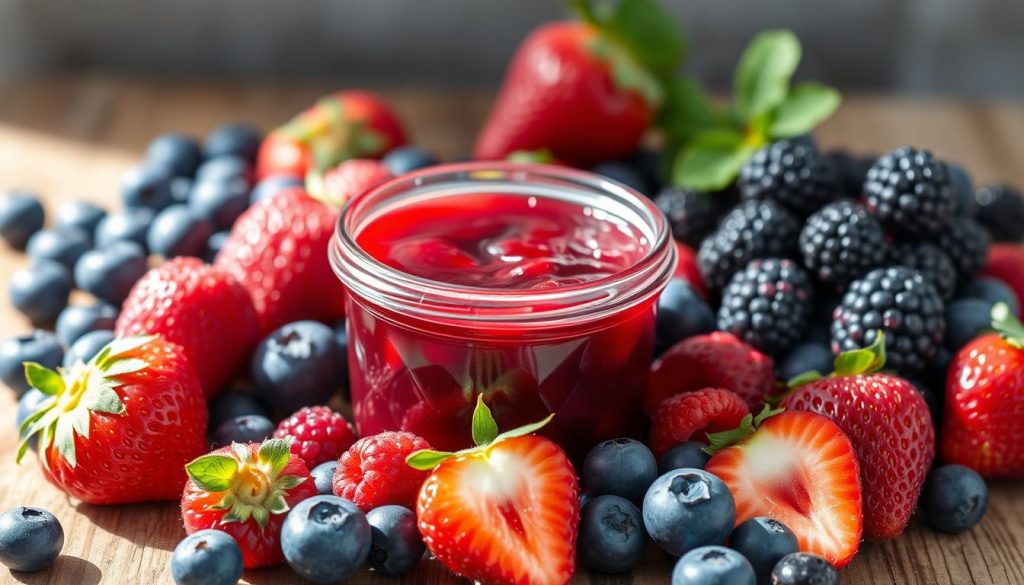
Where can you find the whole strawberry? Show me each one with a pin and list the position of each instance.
(984, 427)
(246, 491)
(201, 308)
(278, 251)
(339, 185)
(341, 126)
(121, 427)
(373, 473)
(891, 429)
(318, 434)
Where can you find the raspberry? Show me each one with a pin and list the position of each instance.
(319, 434)
(694, 414)
(373, 471)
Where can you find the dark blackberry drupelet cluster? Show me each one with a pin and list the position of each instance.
(900, 302)
(791, 173)
(910, 191)
(767, 304)
(933, 264)
(841, 242)
(966, 243)
(1000, 209)
(753, 229)
(693, 214)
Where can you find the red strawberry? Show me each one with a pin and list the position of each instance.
(504, 512)
(686, 268)
(199, 307)
(890, 427)
(318, 434)
(586, 93)
(346, 181)
(984, 427)
(120, 428)
(246, 491)
(373, 473)
(716, 360)
(344, 125)
(278, 251)
(695, 415)
(1006, 262)
(800, 469)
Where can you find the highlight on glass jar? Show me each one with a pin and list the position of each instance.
(534, 285)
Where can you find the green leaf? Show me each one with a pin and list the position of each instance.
(713, 161)
(804, 378)
(627, 72)
(867, 360)
(485, 429)
(687, 110)
(242, 452)
(43, 379)
(276, 453)
(761, 80)
(120, 367)
(213, 473)
(64, 441)
(426, 459)
(648, 31)
(525, 429)
(1004, 322)
(806, 106)
(261, 515)
(121, 346)
(277, 504)
(103, 398)
(749, 424)
(287, 482)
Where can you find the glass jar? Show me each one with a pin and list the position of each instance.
(421, 350)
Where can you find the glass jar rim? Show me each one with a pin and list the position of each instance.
(416, 296)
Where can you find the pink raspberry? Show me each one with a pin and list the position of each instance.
(373, 472)
(319, 434)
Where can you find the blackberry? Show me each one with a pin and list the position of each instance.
(1000, 209)
(753, 229)
(910, 191)
(966, 243)
(767, 304)
(900, 302)
(841, 242)
(934, 265)
(791, 173)
(851, 171)
(693, 214)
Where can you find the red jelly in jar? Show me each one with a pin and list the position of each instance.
(533, 285)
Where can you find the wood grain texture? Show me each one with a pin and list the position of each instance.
(72, 137)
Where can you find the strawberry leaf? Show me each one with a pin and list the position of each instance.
(864, 361)
(103, 398)
(287, 482)
(120, 367)
(484, 429)
(748, 425)
(121, 346)
(64, 441)
(687, 110)
(804, 378)
(761, 80)
(644, 28)
(43, 379)
(242, 452)
(806, 106)
(261, 515)
(427, 459)
(277, 504)
(713, 160)
(525, 429)
(213, 473)
(1007, 325)
(276, 453)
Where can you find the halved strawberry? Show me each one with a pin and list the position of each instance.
(504, 512)
(800, 469)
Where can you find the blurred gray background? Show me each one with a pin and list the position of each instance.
(964, 47)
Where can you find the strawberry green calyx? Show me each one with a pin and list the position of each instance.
(75, 394)
(1008, 326)
(330, 136)
(252, 486)
(485, 434)
(857, 362)
(748, 425)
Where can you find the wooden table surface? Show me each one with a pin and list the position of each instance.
(72, 138)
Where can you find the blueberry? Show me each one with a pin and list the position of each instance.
(233, 404)
(178, 153)
(271, 185)
(250, 428)
(77, 320)
(954, 499)
(688, 508)
(80, 215)
(993, 290)
(396, 546)
(233, 140)
(27, 405)
(180, 188)
(65, 246)
(341, 338)
(214, 244)
(30, 539)
(177, 231)
(224, 168)
(146, 186)
(130, 225)
(297, 365)
(219, 201)
(621, 467)
(965, 320)
(325, 539)
(763, 541)
(623, 173)
(323, 477)
(41, 290)
(611, 535)
(804, 569)
(648, 163)
(713, 565)
(87, 346)
(21, 215)
(963, 190)
(207, 557)
(110, 273)
(407, 159)
(689, 454)
(808, 356)
(682, 313)
(41, 347)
